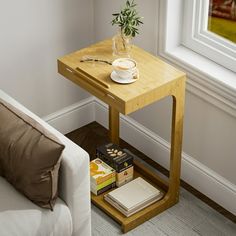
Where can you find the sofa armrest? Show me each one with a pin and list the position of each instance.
(74, 185)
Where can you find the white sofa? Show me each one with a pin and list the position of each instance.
(72, 211)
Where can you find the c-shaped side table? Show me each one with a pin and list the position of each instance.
(157, 80)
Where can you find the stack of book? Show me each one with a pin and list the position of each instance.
(102, 177)
(118, 159)
(133, 196)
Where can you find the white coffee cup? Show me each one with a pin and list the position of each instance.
(125, 68)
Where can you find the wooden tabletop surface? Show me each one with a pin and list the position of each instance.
(154, 74)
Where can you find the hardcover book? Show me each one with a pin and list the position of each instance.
(133, 194)
(114, 156)
(125, 176)
(102, 185)
(98, 191)
(134, 210)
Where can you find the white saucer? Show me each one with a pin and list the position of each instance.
(120, 80)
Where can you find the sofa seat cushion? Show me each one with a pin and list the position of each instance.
(19, 216)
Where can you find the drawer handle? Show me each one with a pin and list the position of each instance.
(110, 96)
(69, 70)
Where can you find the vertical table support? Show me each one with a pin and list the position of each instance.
(176, 142)
(114, 125)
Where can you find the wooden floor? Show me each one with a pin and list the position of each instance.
(93, 135)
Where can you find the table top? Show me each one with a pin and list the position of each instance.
(157, 78)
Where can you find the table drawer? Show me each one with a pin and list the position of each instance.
(91, 86)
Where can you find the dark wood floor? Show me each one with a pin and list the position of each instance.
(93, 135)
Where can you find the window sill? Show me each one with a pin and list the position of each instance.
(206, 79)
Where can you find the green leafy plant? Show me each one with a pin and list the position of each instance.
(127, 19)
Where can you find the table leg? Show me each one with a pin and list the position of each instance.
(176, 143)
(114, 125)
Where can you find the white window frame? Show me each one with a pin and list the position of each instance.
(207, 79)
(199, 39)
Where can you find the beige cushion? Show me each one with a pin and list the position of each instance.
(29, 156)
(21, 217)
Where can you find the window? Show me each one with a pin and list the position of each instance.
(222, 18)
(209, 28)
(208, 59)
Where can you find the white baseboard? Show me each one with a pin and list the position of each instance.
(73, 116)
(193, 172)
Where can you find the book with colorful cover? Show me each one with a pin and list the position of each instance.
(100, 172)
(96, 191)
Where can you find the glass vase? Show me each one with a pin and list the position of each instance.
(121, 45)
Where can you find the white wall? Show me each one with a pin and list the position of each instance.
(209, 132)
(33, 34)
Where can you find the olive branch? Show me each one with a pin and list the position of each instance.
(127, 19)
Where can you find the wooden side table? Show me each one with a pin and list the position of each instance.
(157, 80)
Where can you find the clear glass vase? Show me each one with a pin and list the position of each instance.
(121, 44)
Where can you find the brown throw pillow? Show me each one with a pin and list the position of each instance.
(29, 156)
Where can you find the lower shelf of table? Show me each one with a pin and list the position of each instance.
(128, 223)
